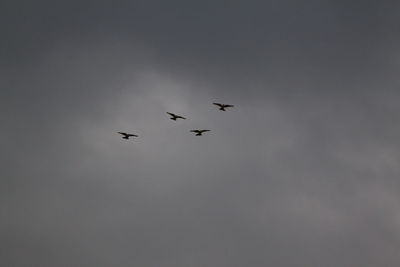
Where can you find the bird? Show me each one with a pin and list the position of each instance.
(126, 135)
(174, 116)
(223, 106)
(199, 132)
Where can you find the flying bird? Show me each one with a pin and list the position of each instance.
(223, 106)
(199, 132)
(126, 135)
(174, 116)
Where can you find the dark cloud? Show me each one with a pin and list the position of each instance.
(302, 172)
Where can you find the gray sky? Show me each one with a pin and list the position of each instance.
(304, 171)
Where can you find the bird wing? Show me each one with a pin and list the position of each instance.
(181, 117)
(203, 131)
(134, 135)
(124, 134)
(172, 114)
(195, 131)
(218, 104)
(228, 106)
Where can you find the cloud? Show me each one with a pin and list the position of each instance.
(302, 172)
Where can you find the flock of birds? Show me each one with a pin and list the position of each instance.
(174, 117)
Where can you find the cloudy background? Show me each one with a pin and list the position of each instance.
(304, 171)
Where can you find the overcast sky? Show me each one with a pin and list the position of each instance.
(303, 171)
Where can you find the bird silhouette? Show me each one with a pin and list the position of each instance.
(127, 135)
(174, 116)
(199, 132)
(223, 106)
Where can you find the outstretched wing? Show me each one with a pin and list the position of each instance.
(171, 114)
(228, 106)
(180, 117)
(203, 131)
(134, 135)
(218, 104)
(122, 133)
